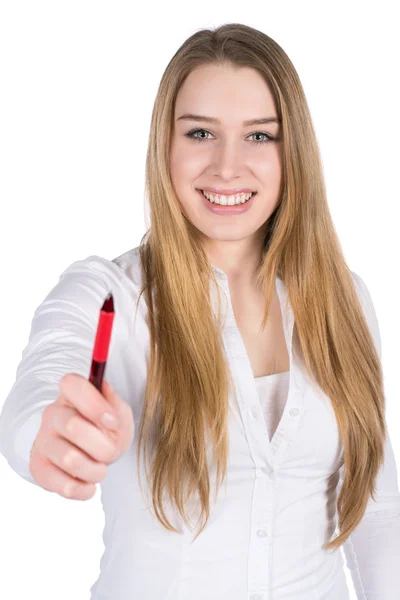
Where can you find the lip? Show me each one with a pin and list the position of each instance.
(216, 190)
(227, 210)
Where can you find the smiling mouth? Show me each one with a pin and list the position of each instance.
(236, 203)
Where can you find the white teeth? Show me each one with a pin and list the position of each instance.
(227, 200)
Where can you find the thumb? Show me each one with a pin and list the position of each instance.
(124, 415)
(112, 397)
(106, 388)
(115, 401)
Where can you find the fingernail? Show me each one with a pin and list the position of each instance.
(109, 421)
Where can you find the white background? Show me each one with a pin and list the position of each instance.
(78, 81)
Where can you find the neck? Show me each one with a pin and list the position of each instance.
(240, 264)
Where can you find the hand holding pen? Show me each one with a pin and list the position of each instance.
(77, 440)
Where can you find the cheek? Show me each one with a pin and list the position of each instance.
(270, 173)
(187, 156)
(270, 163)
(177, 166)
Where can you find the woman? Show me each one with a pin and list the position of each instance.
(279, 395)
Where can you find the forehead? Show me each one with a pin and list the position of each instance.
(226, 93)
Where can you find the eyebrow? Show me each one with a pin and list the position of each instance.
(191, 117)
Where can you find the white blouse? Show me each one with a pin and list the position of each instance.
(277, 506)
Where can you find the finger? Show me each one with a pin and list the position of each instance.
(79, 393)
(69, 424)
(53, 479)
(73, 461)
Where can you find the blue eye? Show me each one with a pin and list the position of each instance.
(190, 135)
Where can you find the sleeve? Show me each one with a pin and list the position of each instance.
(372, 551)
(61, 340)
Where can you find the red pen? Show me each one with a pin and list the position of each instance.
(102, 342)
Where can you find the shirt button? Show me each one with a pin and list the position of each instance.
(261, 533)
(268, 471)
(255, 597)
(294, 412)
(254, 413)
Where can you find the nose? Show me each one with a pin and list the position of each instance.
(228, 159)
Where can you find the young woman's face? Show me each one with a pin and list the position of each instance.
(226, 154)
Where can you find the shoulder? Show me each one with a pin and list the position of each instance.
(363, 292)
(367, 304)
(129, 264)
(360, 284)
(123, 270)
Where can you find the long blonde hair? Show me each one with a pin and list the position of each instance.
(187, 360)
